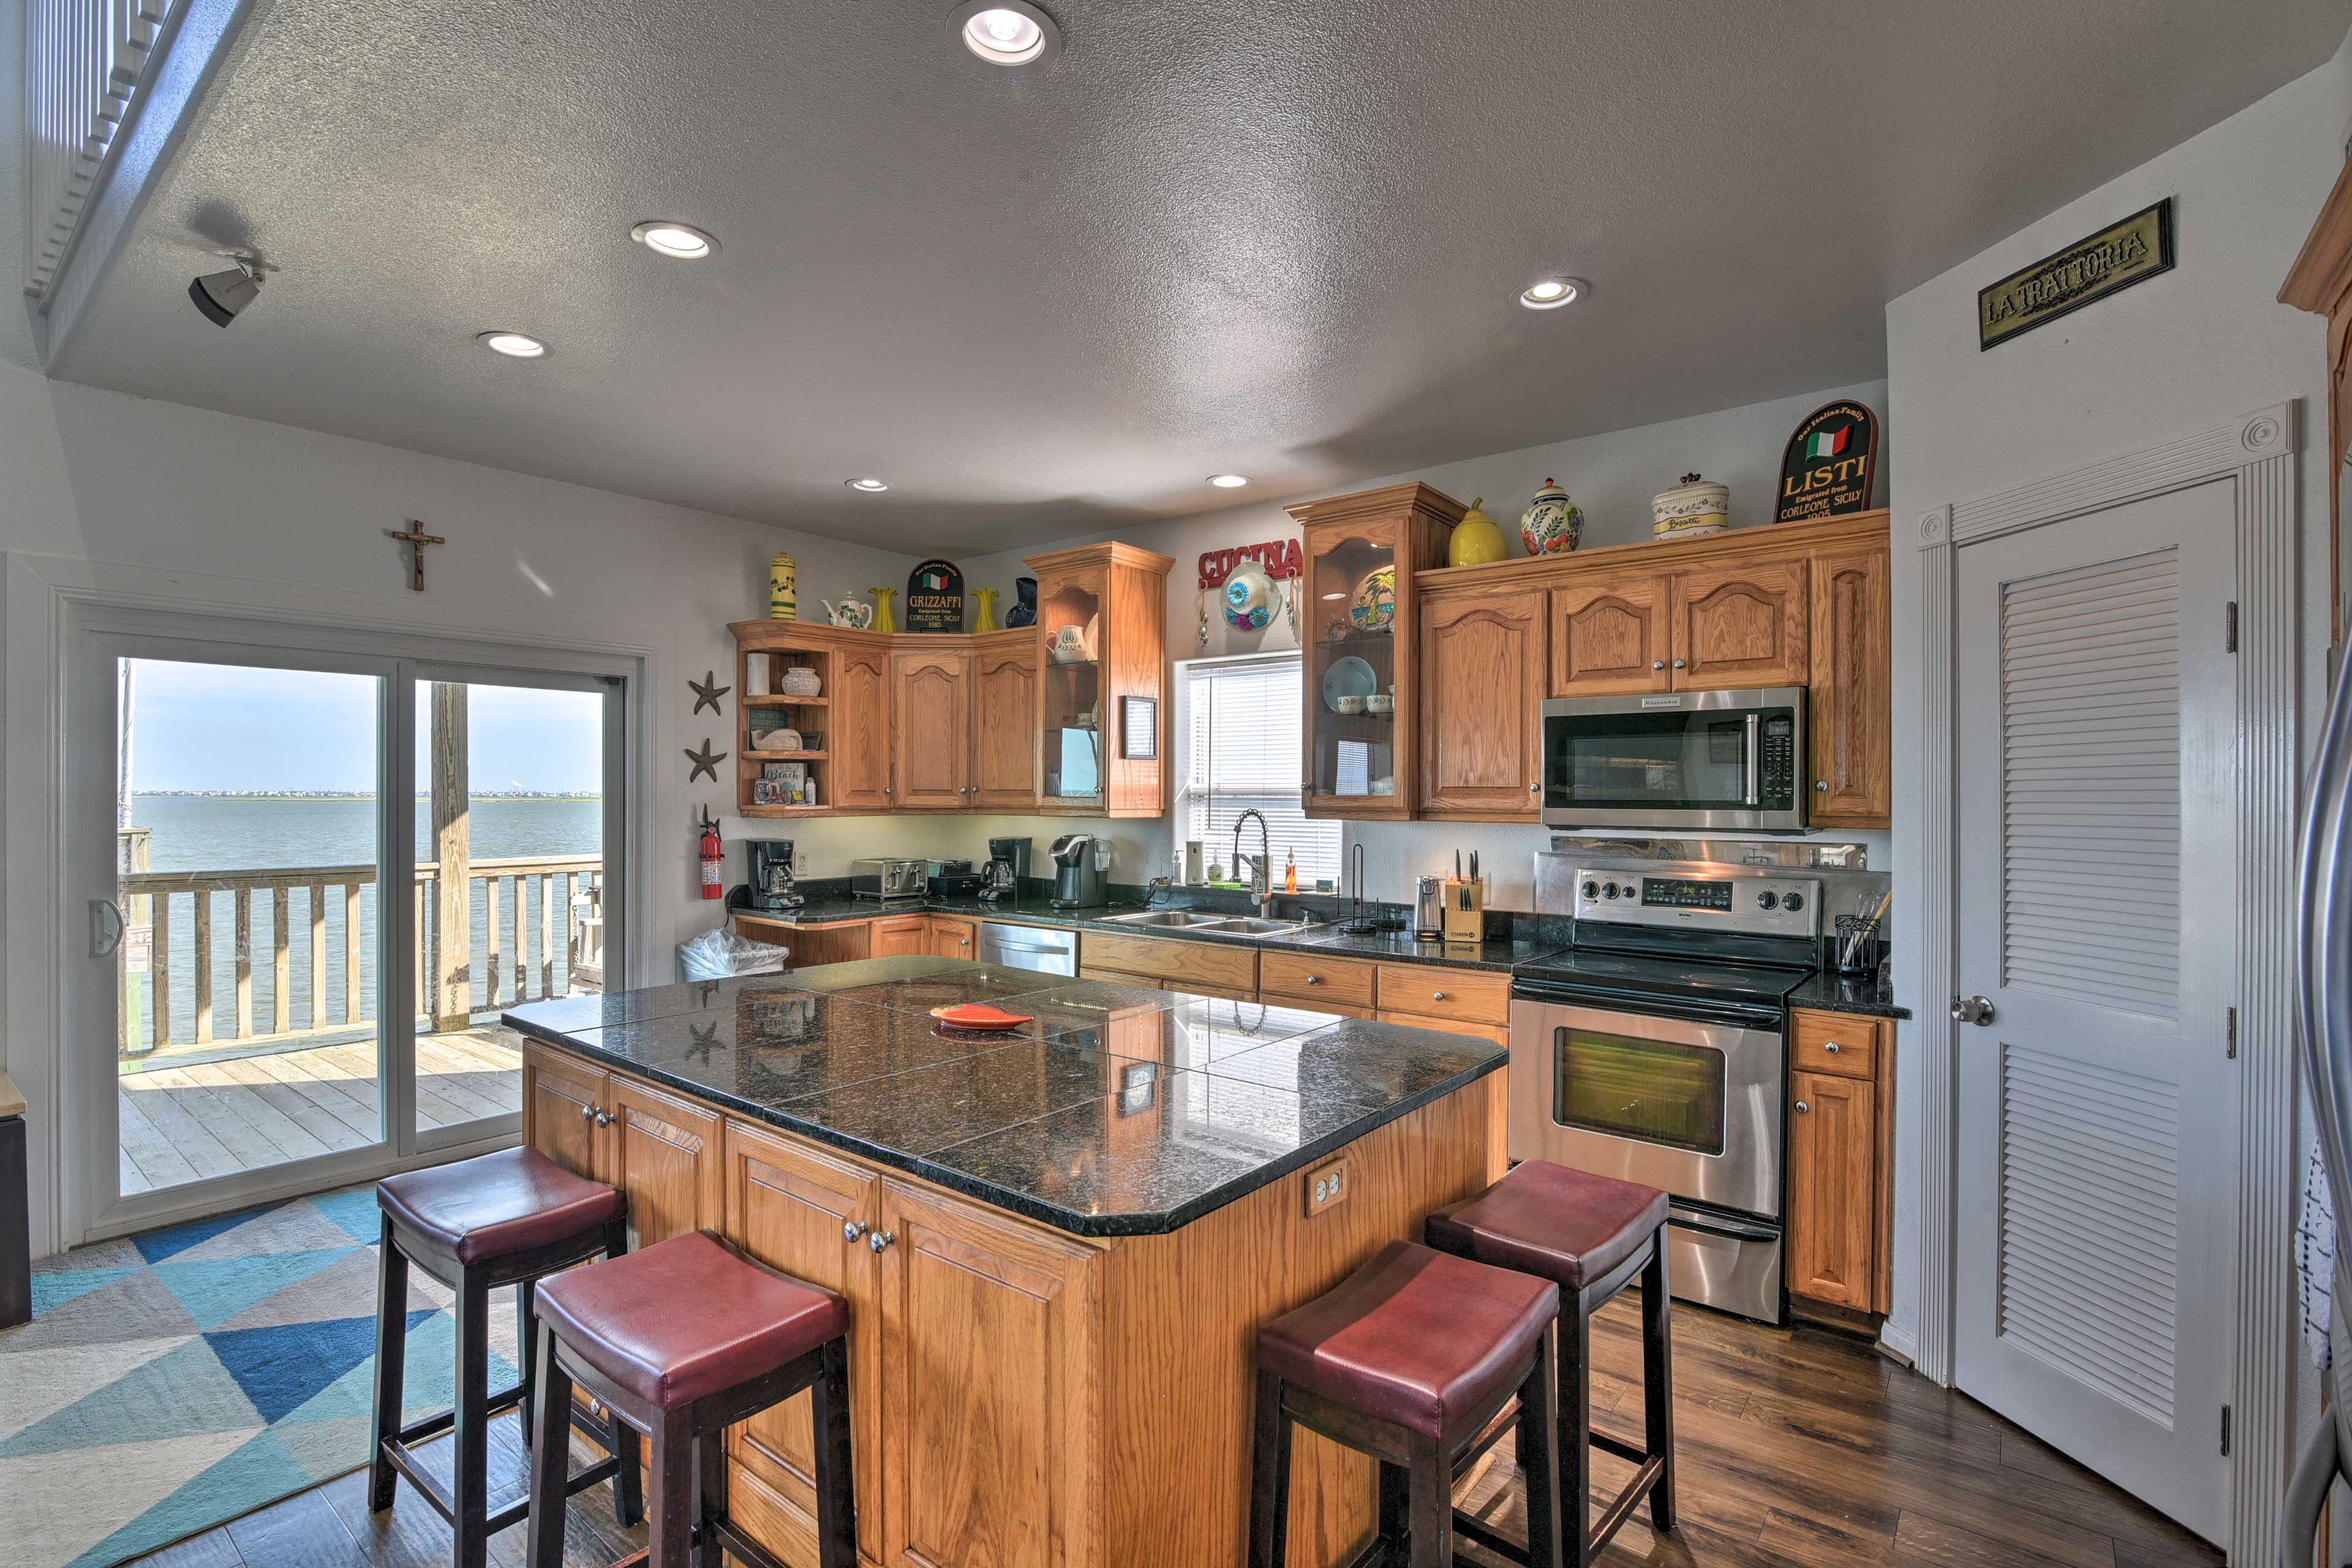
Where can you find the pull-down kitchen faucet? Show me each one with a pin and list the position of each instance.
(1262, 866)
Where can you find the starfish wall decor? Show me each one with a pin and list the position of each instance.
(705, 761)
(708, 692)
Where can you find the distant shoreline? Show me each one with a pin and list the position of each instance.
(324, 794)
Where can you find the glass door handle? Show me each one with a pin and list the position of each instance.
(106, 927)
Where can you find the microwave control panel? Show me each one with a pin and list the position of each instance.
(1776, 764)
(1762, 906)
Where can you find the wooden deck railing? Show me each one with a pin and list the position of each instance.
(180, 906)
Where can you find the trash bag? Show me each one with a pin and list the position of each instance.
(716, 955)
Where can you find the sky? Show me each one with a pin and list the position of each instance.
(229, 726)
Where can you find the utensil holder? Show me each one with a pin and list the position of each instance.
(1465, 910)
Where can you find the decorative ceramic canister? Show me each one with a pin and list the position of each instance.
(1475, 539)
(1373, 607)
(883, 620)
(783, 590)
(1696, 505)
(1249, 597)
(985, 621)
(1552, 524)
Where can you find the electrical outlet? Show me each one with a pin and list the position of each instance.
(1325, 1186)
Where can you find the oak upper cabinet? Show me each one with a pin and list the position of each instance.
(798, 1209)
(992, 1377)
(1482, 755)
(860, 721)
(1610, 637)
(664, 1153)
(1004, 720)
(1740, 624)
(1102, 630)
(931, 728)
(1849, 712)
(1361, 556)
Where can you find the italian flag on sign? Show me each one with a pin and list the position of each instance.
(1826, 443)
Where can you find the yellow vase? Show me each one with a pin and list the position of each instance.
(783, 594)
(986, 620)
(1477, 539)
(883, 621)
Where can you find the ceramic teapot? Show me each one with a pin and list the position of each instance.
(855, 613)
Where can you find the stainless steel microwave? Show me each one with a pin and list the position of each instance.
(1676, 759)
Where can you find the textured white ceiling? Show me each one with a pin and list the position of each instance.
(1279, 236)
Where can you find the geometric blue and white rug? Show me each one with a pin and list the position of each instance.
(171, 1381)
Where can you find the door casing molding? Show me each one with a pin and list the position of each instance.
(2257, 454)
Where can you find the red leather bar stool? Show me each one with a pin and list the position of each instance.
(1591, 1235)
(681, 1339)
(509, 1218)
(1410, 1359)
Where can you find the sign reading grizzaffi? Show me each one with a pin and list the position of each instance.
(1831, 464)
(2130, 252)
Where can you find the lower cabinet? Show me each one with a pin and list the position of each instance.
(1840, 1114)
(1202, 968)
(901, 936)
(953, 938)
(660, 1149)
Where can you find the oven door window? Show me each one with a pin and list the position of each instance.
(1652, 1092)
(1668, 761)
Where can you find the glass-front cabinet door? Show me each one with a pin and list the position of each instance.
(1071, 632)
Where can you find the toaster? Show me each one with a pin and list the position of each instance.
(889, 878)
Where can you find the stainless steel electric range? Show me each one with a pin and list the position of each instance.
(1655, 1049)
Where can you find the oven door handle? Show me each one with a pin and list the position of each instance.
(1726, 1014)
(1755, 765)
(1718, 1225)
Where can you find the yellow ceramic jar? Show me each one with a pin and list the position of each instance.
(1477, 539)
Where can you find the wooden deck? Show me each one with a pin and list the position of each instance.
(219, 1118)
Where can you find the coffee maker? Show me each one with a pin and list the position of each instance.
(1008, 862)
(1081, 866)
(773, 891)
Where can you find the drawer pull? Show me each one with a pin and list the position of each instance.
(1437, 996)
(1830, 1047)
(1313, 979)
(1803, 1108)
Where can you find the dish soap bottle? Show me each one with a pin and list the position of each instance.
(1290, 870)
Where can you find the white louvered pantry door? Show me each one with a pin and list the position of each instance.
(2097, 1109)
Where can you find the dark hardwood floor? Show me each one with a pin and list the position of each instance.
(1797, 1449)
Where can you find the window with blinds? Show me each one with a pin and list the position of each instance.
(1241, 735)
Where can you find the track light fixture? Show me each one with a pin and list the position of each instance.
(223, 296)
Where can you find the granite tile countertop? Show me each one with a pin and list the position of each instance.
(1835, 993)
(1117, 1110)
(1396, 946)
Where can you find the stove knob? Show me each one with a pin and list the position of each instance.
(1592, 889)
(1609, 890)
(1767, 901)
(1793, 902)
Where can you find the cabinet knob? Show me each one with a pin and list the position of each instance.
(603, 1118)
(586, 1112)
(1437, 996)
(1657, 664)
(1313, 979)
(880, 1239)
(853, 1229)
(1823, 786)
(1830, 1046)
(1681, 664)
(1803, 1108)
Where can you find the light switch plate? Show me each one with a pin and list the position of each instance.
(1327, 1185)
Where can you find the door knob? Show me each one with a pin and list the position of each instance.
(880, 1239)
(853, 1229)
(1971, 1010)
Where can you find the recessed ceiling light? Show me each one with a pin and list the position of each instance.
(666, 237)
(1005, 32)
(1229, 481)
(868, 485)
(514, 345)
(1551, 294)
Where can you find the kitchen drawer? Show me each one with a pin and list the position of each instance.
(1498, 1033)
(1846, 1044)
(1467, 995)
(1316, 982)
(1208, 967)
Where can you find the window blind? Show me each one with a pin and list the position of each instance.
(1242, 737)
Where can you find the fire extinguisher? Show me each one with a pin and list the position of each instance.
(712, 863)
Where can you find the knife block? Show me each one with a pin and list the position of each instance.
(1465, 910)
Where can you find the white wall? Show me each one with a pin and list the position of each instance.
(2197, 346)
(1611, 475)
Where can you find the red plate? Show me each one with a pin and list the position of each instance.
(981, 1017)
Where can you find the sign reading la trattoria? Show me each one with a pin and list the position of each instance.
(2116, 258)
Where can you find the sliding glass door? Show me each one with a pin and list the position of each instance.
(313, 879)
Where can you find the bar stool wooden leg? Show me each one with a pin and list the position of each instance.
(628, 1486)
(1658, 1380)
(837, 1503)
(391, 1354)
(710, 1485)
(471, 1458)
(526, 1348)
(1396, 1511)
(1575, 1428)
(1270, 1478)
(672, 1501)
(1430, 1483)
(1540, 1395)
(551, 1455)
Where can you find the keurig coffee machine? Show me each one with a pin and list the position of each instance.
(1081, 871)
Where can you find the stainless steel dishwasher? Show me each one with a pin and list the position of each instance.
(1029, 947)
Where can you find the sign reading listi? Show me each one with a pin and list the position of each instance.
(1831, 464)
(2132, 251)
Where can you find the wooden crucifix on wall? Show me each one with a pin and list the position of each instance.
(416, 539)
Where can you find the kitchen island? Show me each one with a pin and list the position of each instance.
(1057, 1245)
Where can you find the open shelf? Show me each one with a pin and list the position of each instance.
(787, 701)
(787, 756)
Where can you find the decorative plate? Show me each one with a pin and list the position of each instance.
(1249, 598)
(1374, 607)
(981, 1018)
(1348, 676)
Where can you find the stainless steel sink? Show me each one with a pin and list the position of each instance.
(1179, 919)
(1251, 926)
